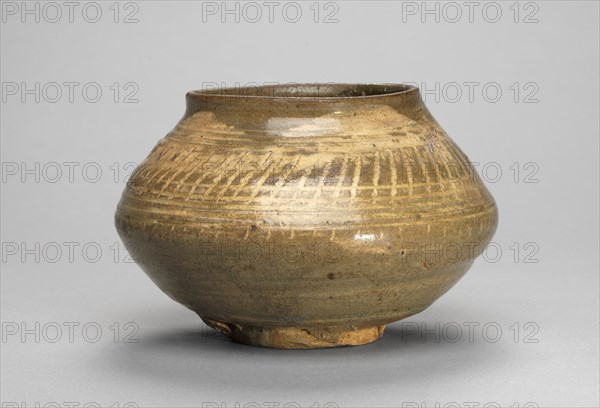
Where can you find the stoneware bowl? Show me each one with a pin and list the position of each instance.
(305, 216)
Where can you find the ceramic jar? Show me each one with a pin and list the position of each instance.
(304, 216)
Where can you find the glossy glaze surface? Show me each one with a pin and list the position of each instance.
(306, 215)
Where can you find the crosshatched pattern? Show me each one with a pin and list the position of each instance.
(341, 174)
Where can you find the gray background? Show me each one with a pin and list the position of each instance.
(534, 311)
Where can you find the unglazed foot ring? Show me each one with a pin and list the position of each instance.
(292, 337)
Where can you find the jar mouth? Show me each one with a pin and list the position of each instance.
(308, 91)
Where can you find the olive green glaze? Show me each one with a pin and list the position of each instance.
(306, 216)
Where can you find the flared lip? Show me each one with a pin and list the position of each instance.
(307, 91)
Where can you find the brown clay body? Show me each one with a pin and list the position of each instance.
(306, 216)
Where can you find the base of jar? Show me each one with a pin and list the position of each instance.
(292, 337)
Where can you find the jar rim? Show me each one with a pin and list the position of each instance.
(306, 91)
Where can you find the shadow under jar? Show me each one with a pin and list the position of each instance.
(306, 216)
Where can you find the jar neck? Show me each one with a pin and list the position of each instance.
(255, 107)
